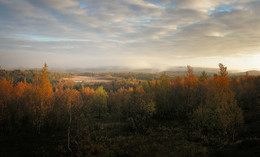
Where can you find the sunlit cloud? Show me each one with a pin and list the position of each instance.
(172, 32)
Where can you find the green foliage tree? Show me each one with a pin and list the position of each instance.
(162, 92)
(203, 76)
(141, 110)
(99, 105)
(87, 95)
(222, 70)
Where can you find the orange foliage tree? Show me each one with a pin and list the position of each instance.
(219, 116)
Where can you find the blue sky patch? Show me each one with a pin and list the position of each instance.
(145, 21)
(158, 3)
(55, 15)
(46, 39)
(82, 4)
(222, 9)
(36, 38)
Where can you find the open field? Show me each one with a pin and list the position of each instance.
(87, 79)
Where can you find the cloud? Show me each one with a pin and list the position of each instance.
(114, 31)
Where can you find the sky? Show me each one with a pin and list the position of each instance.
(130, 33)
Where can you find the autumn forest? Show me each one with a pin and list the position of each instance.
(44, 115)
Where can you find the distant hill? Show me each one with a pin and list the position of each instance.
(251, 72)
(108, 69)
(196, 73)
(196, 70)
(211, 73)
(178, 70)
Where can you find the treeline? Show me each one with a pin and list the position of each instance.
(211, 108)
(20, 75)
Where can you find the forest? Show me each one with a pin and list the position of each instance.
(133, 115)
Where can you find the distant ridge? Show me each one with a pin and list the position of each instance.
(178, 70)
(251, 72)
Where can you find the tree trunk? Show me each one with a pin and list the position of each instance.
(69, 127)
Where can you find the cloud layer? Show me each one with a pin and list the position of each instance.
(135, 33)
